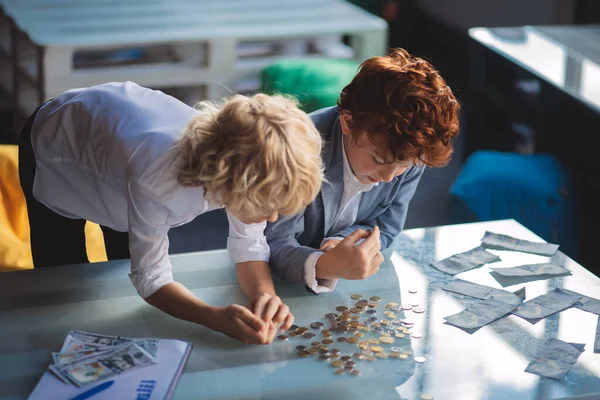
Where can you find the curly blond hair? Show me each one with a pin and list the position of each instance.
(259, 154)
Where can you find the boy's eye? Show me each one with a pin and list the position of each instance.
(378, 162)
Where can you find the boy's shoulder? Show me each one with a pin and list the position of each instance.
(324, 119)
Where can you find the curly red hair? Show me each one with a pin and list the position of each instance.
(403, 103)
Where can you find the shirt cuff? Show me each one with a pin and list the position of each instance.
(310, 275)
(147, 283)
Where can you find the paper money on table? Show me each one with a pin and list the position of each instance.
(480, 314)
(484, 292)
(532, 270)
(72, 356)
(497, 241)
(77, 340)
(586, 303)
(546, 304)
(465, 261)
(104, 365)
(555, 358)
(597, 340)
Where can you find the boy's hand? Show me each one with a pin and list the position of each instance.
(270, 309)
(348, 260)
(329, 244)
(240, 323)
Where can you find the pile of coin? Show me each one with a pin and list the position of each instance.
(351, 324)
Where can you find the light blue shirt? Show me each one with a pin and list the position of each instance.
(108, 154)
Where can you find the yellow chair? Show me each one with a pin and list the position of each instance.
(15, 251)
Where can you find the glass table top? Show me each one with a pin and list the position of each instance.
(37, 308)
(567, 57)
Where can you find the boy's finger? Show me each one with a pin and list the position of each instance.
(271, 309)
(246, 332)
(259, 306)
(372, 241)
(281, 314)
(289, 320)
(246, 316)
(355, 236)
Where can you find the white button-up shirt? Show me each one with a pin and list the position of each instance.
(345, 217)
(108, 154)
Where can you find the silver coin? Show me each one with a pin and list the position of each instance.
(371, 311)
(316, 325)
(426, 396)
(293, 328)
(397, 349)
(417, 335)
(420, 359)
(415, 304)
(390, 331)
(413, 291)
(419, 310)
(373, 319)
(308, 335)
(377, 329)
(406, 306)
(300, 347)
(395, 308)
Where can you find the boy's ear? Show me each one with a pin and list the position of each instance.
(346, 122)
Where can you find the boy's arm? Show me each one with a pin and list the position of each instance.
(288, 257)
(391, 220)
(248, 248)
(151, 274)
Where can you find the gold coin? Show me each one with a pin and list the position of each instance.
(327, 335)
(386, 340)
(325, 331)
(395, 354)
(352, 339)
(356, 310)
(292, 334)
(359, 334)
(376, 299)
(326, 341)
(381, 355)
(303, 353)
(376, 349)
(356, 296)
(392, 316)
(334, 355)
(403, 356)
(316, 344)
(396, 321)
(387, 312)
(408, 331)
(391, 304)
(371, 358)
(373, 305)
(302, 329)
(337, 363)
(386, 334)
(373, 341)
(400, 335)
(312, 350)
(339, 371)
(384, 322)
(341, 308)
(355, 318)
(363, 346)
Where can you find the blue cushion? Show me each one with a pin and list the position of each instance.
(532, 189)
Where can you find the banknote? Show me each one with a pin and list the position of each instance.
(586, 303)
(465, 261)
(504, 242)
(555, 358)
(546, 304)
(480, 314)
(532, 270)
(72, 356)
(484, 292)
(77, 340)
(104, 365)
(597, 340)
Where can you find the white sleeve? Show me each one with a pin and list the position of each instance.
(148, 241)
(247, 242)
(310, 273)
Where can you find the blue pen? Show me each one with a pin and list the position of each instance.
(93, 390)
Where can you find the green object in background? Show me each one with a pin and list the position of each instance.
(316, 83)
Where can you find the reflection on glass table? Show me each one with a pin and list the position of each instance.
(565, 56)
(38, 308)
